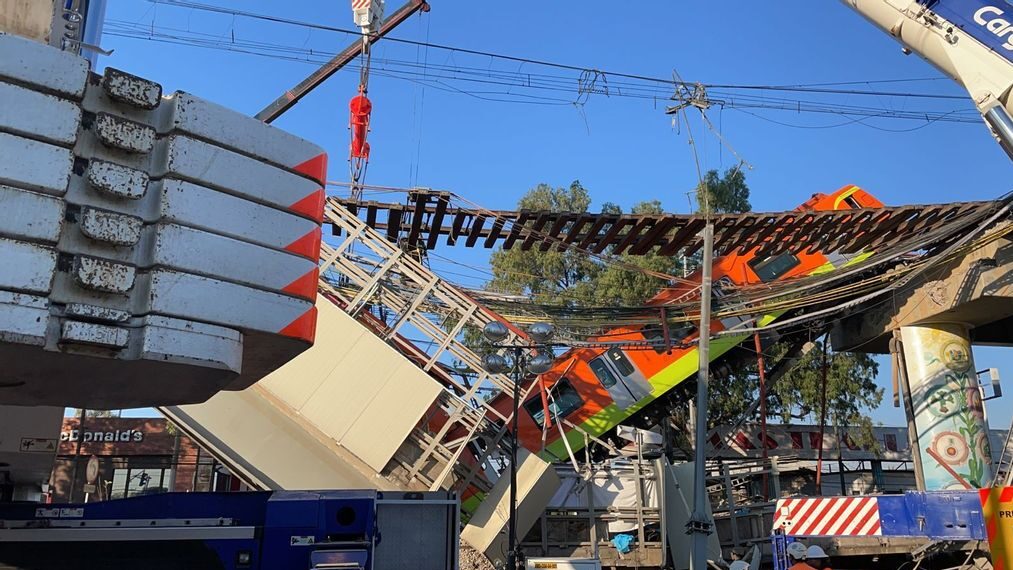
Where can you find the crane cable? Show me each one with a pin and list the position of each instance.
(360, 109)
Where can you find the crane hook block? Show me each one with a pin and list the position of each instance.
(360, 108)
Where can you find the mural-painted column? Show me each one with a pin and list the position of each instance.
(952, 435)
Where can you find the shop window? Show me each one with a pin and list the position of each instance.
(131, 482)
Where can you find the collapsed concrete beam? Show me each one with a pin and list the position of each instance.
(975, 289)
(537, 482)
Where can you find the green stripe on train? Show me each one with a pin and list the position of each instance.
(669, 377)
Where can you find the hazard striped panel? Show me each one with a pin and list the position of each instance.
(829, 516)
(997, 504)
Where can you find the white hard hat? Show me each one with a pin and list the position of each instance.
(796, 551)
(739, 565)
(815, 552)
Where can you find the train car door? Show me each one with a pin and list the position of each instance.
(620, 377)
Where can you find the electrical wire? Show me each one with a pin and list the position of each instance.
(807, 88)
(620, 85)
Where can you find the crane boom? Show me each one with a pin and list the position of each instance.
(971, 41)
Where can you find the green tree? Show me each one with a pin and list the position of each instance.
(617, 285)
(851, 391)
(726, 194)
(550, 277)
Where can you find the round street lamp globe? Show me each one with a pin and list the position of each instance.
(495, 331)
(494, 363)
(541, 332)
(540, 364)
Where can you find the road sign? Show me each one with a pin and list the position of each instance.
(38, 445)
(91, 472)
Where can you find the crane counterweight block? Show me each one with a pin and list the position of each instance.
(163, 247)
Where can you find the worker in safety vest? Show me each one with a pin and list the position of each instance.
(817, 558)
(796, 557)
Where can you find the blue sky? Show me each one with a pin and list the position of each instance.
(623, 150)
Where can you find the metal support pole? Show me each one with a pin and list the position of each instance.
(763, 412)
(77, 455)
(823, 420)
(515, 441)
(292, 96)
(699, 525)
(840, 461)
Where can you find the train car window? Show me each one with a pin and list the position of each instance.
(771, 268)
(564, 401)
(851, 202)
(601, 370)
(655, 334)
(621, 362)
(683, 330)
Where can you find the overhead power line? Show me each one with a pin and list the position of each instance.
(536, 88)
(518, 86)
(815, 88)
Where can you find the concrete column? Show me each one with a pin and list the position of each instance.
(951, 433)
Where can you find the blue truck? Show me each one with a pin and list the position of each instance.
(352, 530)
(940, 528)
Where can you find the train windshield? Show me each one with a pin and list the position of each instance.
(563, 400)
(601, 370)
(771, 268)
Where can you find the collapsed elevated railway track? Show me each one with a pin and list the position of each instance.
(427, 216)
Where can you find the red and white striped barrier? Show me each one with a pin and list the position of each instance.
(828, 516)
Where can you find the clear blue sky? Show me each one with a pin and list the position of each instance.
(623, 150)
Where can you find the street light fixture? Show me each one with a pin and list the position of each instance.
(495, 363)
(540, 335)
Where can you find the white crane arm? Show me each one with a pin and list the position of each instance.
(971, 41)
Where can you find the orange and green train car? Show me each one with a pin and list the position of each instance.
(596, 389)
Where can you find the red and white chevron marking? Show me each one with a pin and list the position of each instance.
(829, 516)
(360, 4)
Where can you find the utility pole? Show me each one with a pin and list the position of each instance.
(699, 525)
(763, 411)
(823, 420)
